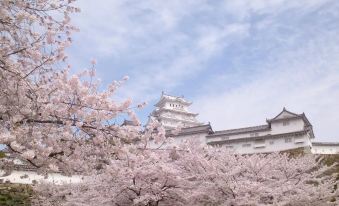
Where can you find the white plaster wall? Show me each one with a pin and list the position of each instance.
(176, 116)
(175, 141)
(276, 128)
(294, 125)
(175, 106)
(325, 149)
(56, 178)
(269, 145)
(239, 136)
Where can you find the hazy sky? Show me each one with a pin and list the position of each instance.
(240, 62)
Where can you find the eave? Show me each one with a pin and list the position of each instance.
(219, 142)
(175, 111)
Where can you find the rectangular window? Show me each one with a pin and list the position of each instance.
(259, 143)
(285, 123)
(288, 139)
(246, 145)
(271, 142)
(229, 146)
(299, 139)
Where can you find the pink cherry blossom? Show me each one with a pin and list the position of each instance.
(58, 122)
(93, 61)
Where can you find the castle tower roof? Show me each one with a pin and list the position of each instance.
(172, 112)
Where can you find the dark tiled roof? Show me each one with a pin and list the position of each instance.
(325, 143)
(206, 128)
(284, 110)
(220, 142)
(24, 167)
(308, 125)
(8, 163)
(172, 98)
(294, 115)
(175, 111)
(129, 123)
(240, 130)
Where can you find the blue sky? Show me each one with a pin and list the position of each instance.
(240, 62)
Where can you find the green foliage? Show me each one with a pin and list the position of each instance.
(15, 194)
(2, 154)
(330, 160)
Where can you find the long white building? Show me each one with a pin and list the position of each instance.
(23, 173)
(283, 132)
(325, 147)
(286, 131)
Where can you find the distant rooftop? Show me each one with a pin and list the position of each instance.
(242, 130)
(167, 97)
(325, 143)
(206, 128)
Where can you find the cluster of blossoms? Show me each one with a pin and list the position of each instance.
(62, 122)
(54, 120)
(191, 175)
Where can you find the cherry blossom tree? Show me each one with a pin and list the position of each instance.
(47, 116)
(61, 122)
(192, 175)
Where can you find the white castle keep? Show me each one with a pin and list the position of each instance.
(172, 112)
(286, 131)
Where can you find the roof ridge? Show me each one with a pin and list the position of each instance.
(285, 110)
(227, 130)
(197, 126)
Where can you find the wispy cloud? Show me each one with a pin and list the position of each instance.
(240, 61)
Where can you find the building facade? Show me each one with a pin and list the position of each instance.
(286, 131)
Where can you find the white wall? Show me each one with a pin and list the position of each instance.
(293, 125)
(177, 140)
(175, 106)
(276, 128)
(269, 145)
(27, 177)
(325, 149)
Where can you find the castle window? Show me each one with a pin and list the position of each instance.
(285, 123)
(254, 134)
(259, 141)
